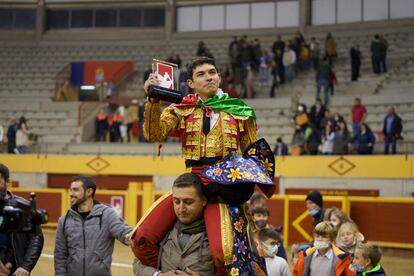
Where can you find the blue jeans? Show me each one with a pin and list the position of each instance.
(289, 72)
(263, 74)
(315, 63)
(22, 149)
(325, 85)
(356, 131)
(390, 140)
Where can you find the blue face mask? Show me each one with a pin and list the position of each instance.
(321, 244)
(358, 268)
(313, 212)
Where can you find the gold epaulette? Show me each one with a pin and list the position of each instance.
(183, 111)
(237, 117)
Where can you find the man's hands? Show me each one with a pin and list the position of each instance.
(152, 80)
(128, 239)
(186, 272)
(21, 272)
(5, 269)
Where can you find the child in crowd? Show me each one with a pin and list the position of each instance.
(269, 243)
(349, 237)
(324, 258)
(366, 260)
(257, 199)
(336, 216)
(260, 216)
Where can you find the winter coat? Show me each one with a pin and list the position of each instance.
(396, 126)
(363, 140)
(376, 271)
(340, 146)
(342, 261)
(84, 247)
(195, 255)
(26, 247)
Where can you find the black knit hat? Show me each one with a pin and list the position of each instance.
(315, 197)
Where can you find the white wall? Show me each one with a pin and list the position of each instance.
(323, 12)
(346, 11)
(349, 11)
(263, 15)
(237, 16)
(188, 19)
(375, 10)
(212, 17)
(267, 14)
(287, 14)
(402, 8)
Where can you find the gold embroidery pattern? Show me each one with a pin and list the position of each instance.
(157, 125)
(248, 136)
(226, 234)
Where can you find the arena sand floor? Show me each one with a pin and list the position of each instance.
(122, 260)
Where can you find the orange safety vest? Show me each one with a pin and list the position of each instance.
(101, 116)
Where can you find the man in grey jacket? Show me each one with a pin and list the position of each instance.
(86, 234)
(185, 249)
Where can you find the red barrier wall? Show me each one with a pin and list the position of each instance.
(51, 202)
(110, 70)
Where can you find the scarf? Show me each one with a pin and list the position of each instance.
(220, 102)
(195, 227)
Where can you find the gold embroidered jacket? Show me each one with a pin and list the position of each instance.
(229, 133)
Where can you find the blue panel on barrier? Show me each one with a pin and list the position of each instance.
(76, 78)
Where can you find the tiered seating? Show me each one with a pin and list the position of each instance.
(28, 72)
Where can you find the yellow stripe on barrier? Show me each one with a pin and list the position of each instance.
(394, 244)
(296, 225)
(381, 199)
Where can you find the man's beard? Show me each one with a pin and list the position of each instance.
(79, 201)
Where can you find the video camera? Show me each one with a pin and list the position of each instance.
(21, 216)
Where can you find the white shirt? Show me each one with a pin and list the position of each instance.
(215, 115)
(321, 264)
(277, 266)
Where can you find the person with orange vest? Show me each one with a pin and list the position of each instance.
(324, 258)
(117, 121)
(101, 126)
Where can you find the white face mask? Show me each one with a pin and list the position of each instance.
(321, 244)
(270, 250)
(334, 222)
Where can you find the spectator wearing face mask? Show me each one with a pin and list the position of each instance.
(260, 216)
(314, 205)
(367, 260)
(324, 258)
(269, 244)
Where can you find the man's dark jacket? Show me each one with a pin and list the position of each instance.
(27, 247)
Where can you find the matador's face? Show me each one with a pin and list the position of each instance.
(206, 81)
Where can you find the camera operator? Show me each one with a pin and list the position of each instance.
(24, 249)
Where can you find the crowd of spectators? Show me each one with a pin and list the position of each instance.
(17, 135)
(124, 125)
(335, 235)
(324, 131)
(248, 59)
(319, 130)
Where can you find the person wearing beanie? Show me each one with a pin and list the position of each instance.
(314, 205)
